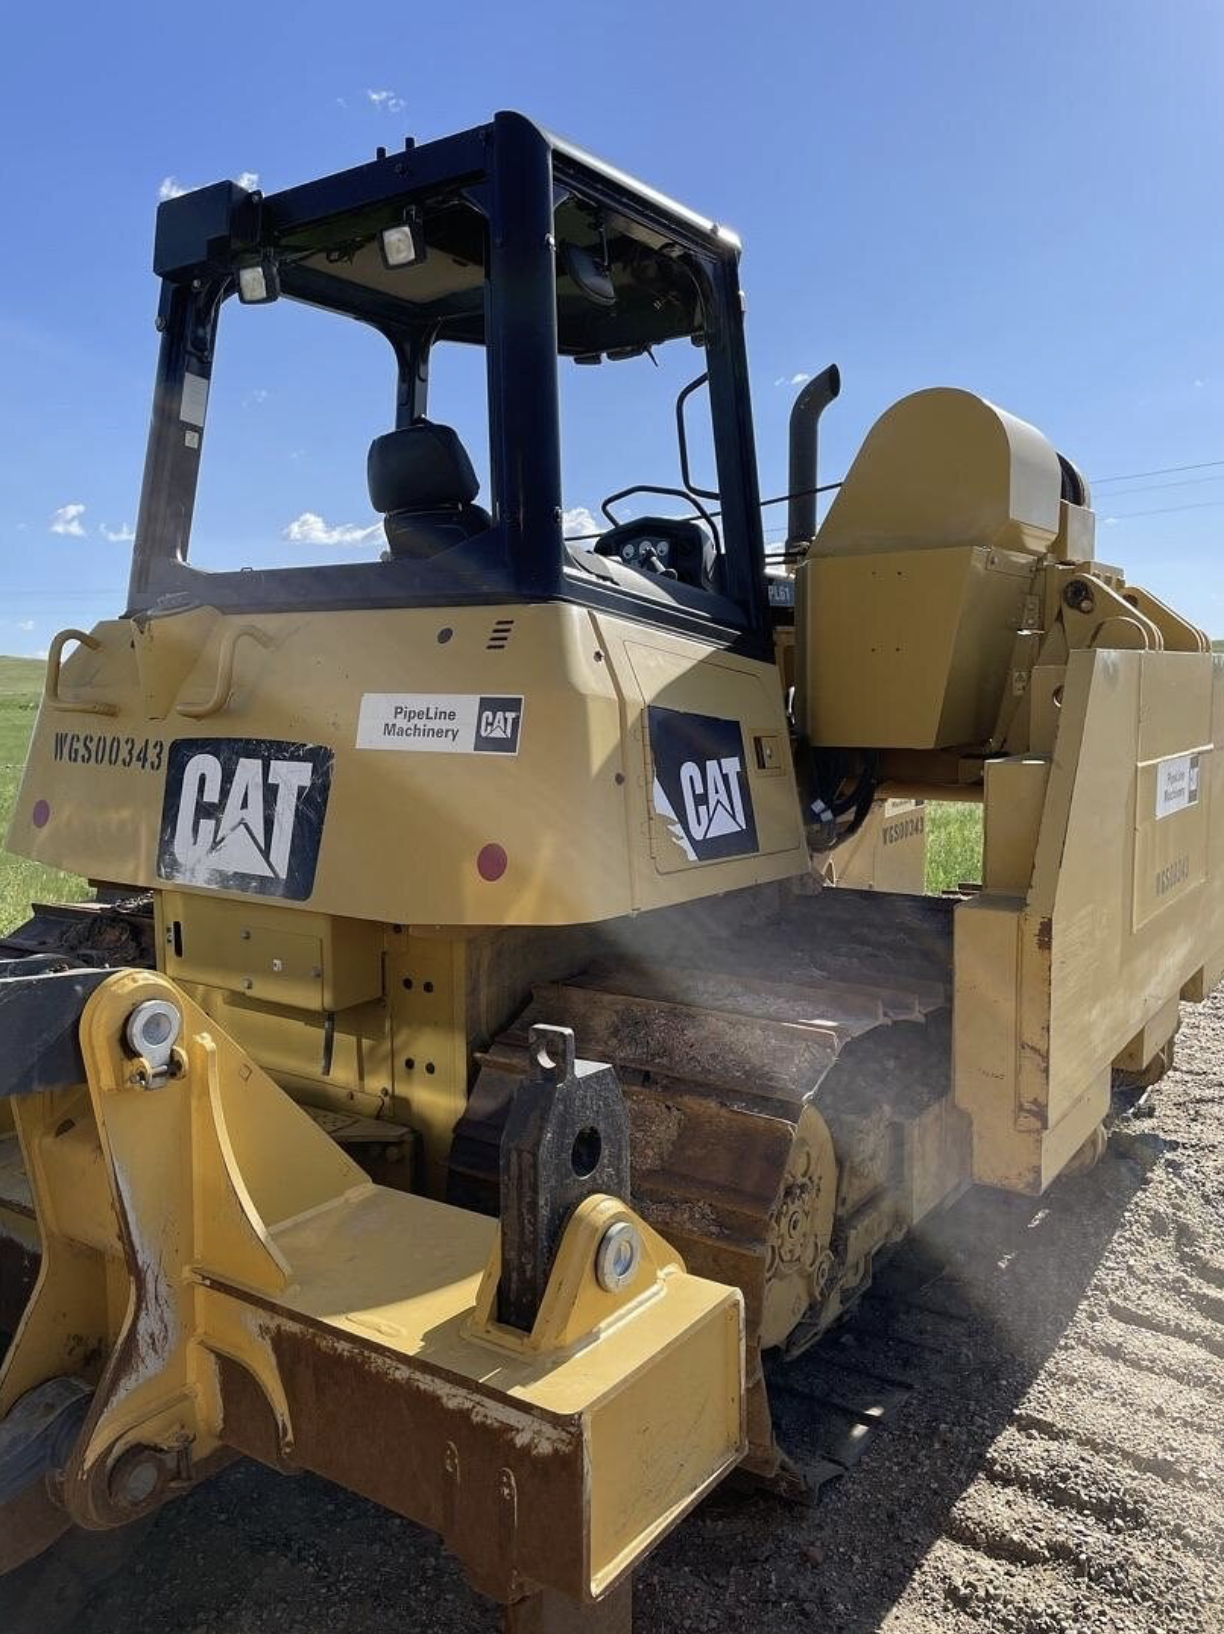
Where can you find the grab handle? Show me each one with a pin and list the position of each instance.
(224, 685)
(51, 691)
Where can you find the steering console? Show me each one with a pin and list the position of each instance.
(676, 547)
(672, 546)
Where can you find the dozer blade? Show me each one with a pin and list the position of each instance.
(219, 1278)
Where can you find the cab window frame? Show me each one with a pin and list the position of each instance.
(512, 171)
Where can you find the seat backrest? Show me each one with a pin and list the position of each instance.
(422, 480)
(423, 467)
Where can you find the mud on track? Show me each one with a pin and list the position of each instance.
(1052, 1460)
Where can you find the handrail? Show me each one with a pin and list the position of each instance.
(219, 697)
(51, 691)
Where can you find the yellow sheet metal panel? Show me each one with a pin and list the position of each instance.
(302, 960)
(984, 1038)
(945, 466)
(299, 747)
(1172, 813)
(887, 854)
(657, 1439)
(341, 1060)
(1112, 970)
(872, 668)
(1173, 795)
(1151, 1038)
(1174, 705)
(1015, 789)
(713, 731)
(908, 648)
(1124, 908)
(431, 1056)
(1215, 767)
(1076, 540)
(276, 965)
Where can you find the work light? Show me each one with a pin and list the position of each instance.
(404, 244)
(258, 283)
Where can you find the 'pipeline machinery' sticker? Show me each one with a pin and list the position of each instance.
(701, 784)
(244, 814)
(448, 723)
(1177, 784)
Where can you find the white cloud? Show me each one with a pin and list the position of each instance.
(387, 101)
(67, 520)
(311, 529)
(578, 520)
(799, 379)
(121, 535)
(254, 398)
(41, 653)
(26, 624)
(172, 188)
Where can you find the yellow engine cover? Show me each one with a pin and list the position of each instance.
(533, 765)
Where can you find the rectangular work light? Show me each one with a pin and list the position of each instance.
(258, 283)
(403, 245)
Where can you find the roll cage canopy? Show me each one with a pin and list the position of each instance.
(518, 242)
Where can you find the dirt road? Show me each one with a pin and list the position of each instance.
(1057, 1466)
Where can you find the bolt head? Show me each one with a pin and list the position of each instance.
(618, 1256)
(153, 1028)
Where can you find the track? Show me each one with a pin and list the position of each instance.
(114, 931)
(788, 1085)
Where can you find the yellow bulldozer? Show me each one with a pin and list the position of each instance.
(475, 1057)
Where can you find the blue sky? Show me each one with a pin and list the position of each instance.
(1024, 200)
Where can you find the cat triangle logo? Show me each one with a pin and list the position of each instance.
(713, 803)
(702, 788)
(238, 853)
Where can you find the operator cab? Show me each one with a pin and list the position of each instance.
(587, 293)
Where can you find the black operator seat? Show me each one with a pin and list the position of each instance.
(422, 480)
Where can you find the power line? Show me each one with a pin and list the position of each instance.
(1161, 471)
(1157, 487)
(1096, 482)
(1167, 510)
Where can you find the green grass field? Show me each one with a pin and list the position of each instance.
(21, 882)
(954, 844)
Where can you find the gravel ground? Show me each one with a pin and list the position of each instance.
(1056, 1468)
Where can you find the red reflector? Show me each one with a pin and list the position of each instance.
(41, 815)
(492, 862)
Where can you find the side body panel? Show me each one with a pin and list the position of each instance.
(1121, 911)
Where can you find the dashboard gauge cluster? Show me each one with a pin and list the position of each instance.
(636, 552)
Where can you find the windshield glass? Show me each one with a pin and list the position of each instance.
(635, 337)
(618, 430)
(299, 392)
